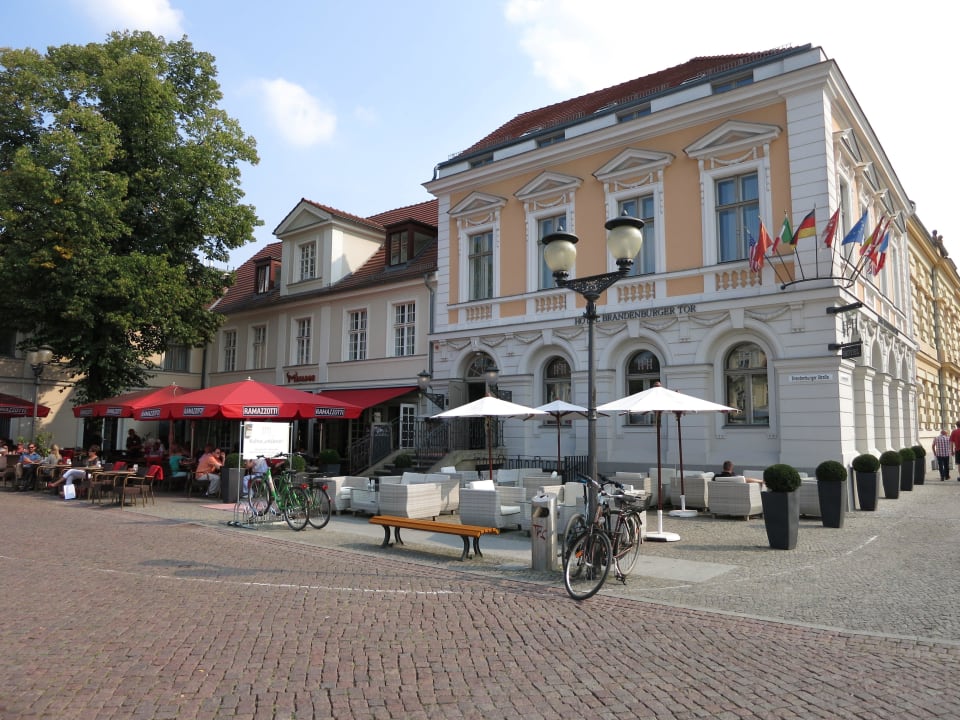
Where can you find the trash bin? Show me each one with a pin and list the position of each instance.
(543, 531)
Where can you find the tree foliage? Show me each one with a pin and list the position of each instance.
(119, 184)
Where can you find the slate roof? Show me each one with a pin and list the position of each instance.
(242, 295)
(619, 97)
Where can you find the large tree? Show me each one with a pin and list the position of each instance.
(119, 187)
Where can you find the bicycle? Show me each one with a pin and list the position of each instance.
(590, 550)
(319, 507)
(280, 496)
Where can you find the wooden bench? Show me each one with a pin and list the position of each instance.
(464, 531)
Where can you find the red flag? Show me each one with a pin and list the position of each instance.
(760, 249)
(869, 243)
(807, 227)
(831, 229)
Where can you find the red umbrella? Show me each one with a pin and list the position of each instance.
(127, 405)
(12, 406)
(249, 400)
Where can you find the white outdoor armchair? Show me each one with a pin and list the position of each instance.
(735, 496)
(491, 506)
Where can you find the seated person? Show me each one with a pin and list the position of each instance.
(30, 460)
(728, 471)
(78, 474)
(208, 469)
(254, 469)
(49, 467)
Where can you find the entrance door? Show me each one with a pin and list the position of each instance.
(408, 425)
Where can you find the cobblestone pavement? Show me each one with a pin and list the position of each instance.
(166, 612)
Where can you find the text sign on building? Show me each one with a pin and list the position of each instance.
(851, 350)
(810, 377)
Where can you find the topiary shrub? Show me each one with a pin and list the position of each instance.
(919, 451)
(831, 470)
(298, 463)
(781, 478)
(866, 463)
(232, 460)
(403, 460)
(907, 455)
(328, 456)
(890, 457)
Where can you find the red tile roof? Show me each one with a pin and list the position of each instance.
(630, 91)
(425, 212)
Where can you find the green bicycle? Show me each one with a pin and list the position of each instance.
(279, 497)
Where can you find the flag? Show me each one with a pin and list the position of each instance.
(752, 251)
(807, 227)
(879, 256)
(856, 232)
(871, 242)
(831, 229)
(786, 232)
(763, 244)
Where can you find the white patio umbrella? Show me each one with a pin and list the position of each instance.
(659, 400)
(559, 409)
(489, 407)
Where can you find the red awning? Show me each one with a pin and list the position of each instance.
(12, 406)
(367, 397)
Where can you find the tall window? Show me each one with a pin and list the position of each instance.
(556, 383)
(399, 248)
(404, 329)
(308, 261)
(229, 350)
(738, 212)
(358, 335)
(176, 358)
(746, 378)
(303, 340)
(642, 207)
(263, 278)
(643, 372)
(259, 347)
(481, 266)
(545, 226)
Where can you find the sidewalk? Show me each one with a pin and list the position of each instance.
(891, 571)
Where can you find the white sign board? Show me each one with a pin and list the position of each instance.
(265, 438)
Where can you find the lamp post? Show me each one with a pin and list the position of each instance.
(490, 377)
(424, 379)
(624, 240)
(37, 359)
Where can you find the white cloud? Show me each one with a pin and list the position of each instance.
(157, 16)
(298, 116)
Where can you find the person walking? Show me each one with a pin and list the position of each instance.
(955, 445)
(941, 448)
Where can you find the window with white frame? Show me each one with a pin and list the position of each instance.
(404, 329)
(545, 226)
(642, 207)
(745, 375)
(263, 278)
(643, 373)
(480, 265)
(303, 341)
(357, 343)
(258, 354)
(229, 350)
(308, 261)
(738, 215)
(556, 384)
(176, 358)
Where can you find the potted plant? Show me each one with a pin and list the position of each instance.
(230, 476)
(906, 468)
(328, 461)
(868, 490)
(919, 464)
(890, 473)
(832, 492)
(781, 508)
(403, 460)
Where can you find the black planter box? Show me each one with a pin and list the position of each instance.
(781, 517)
(919, 465)
(833, 502)
(906, 476)
(890, 475)
(868, 490)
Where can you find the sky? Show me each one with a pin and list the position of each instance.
(353, 104)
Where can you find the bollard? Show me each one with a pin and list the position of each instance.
(543, 531)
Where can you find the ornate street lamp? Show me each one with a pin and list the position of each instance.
(424, 379)
(624, 240)
(37, 359)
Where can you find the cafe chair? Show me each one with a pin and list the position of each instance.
(195, 481)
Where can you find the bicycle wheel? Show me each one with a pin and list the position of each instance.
(259, 498)
(318, 514)
(576, 526)
(295, 505)
(628, 543)
(586, 568)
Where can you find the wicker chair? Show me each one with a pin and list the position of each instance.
(809, 497)
(491, 506)
(416, 500)
(735, 496)
(696, 488)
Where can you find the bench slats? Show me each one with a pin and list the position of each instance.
(464, 531)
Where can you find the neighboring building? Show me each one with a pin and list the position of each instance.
(341, 304)
(700, 152)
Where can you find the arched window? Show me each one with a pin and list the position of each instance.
(745, 375)
(556, 383)
(643, 372)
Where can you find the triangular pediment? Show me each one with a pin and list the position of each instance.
(731, 137)
(633, 162)
(303, 215)
(477, 202)
(548, 183)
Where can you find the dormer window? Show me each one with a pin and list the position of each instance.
(308, 261)
(633, 113)
(732, 83)
(551, 139)
(404, 242)
(482, 160)
(264, 279)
